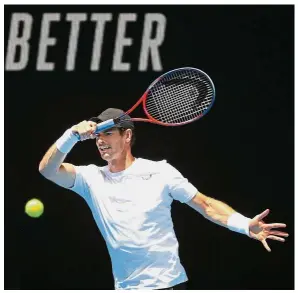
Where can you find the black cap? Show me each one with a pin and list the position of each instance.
(112, 113)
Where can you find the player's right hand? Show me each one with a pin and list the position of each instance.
(85, 129)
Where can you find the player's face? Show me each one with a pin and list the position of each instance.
(111, 144)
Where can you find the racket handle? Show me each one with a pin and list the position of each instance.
(104, 125)
(100, 127)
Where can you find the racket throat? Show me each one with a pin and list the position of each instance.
(117, 120)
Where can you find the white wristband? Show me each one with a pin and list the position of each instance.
(66, 142)
(239, 223)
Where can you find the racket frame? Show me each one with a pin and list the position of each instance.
(112, 122)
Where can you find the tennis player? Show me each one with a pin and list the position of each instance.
(130, 199)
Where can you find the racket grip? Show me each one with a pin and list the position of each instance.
(100, 127)
(104, 125)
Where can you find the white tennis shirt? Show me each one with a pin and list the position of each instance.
(132, 210)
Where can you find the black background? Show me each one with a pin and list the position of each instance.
(241, 152)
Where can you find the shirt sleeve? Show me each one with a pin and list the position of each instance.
(81, 185)
(179, 186)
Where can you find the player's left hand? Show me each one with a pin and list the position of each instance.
(261, 231)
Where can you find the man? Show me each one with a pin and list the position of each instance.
(130, 199)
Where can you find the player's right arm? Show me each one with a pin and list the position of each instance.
(53, 168)
(52, 165)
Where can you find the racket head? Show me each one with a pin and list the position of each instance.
(179, 97)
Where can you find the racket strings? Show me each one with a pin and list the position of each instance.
(174, 107)
(180, 90)
(180, 96)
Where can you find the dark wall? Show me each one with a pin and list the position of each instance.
(241, 152)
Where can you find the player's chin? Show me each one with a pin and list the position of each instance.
(105, 156)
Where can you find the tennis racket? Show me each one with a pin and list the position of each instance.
(176, 98)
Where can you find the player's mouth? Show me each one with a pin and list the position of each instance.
(104, 148)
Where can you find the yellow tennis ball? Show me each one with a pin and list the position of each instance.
(34, 208)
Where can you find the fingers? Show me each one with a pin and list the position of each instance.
(278, 233)
(93, 128)
(276, 238)
(86, 129)
(92, 135)
(266, 245)
(263, 214)
(274, 225)
(92, 125)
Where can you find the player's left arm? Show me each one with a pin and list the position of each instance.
(222, 214)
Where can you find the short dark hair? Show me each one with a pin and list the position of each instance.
(133, 137)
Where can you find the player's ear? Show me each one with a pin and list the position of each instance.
(128, 135)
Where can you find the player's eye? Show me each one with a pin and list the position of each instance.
(108, 133)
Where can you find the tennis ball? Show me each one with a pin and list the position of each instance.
(34, 208)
